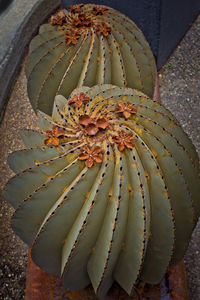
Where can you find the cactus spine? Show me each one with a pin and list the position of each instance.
(87, 45)
(94, 192)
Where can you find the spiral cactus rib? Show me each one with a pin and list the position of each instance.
(87, 46)
(108, 190)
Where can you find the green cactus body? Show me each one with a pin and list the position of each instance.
(107, 191)
(88, 45)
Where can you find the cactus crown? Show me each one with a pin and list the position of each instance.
(87, 45)
(91, 121)
(80, 20)
(94, 192)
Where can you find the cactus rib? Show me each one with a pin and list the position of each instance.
(113, 50)
(97, 200)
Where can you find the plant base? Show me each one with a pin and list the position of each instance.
(43, 286)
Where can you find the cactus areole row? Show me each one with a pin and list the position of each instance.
(107, 191)
(85, 46)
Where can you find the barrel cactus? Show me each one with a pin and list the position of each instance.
(107, 191)
(87, 45)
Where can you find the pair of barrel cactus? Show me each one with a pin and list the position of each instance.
(108, 190)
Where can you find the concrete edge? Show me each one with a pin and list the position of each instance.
(12, 56)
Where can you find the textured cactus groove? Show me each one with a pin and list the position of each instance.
(107, 191)
(87, 45)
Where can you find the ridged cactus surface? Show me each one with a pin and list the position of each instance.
(87, 45)
(107, 191)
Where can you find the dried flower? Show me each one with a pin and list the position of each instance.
(83, 98)
(92, 126)
(75, 8)
(82, 20)
(78, 100)
(58, 19)
(54, 135)
(76, 22)
(85, 120)
(91, 156)
(104, 29)
(124, 139)
(126, 108)
(99, 11)
(91, 129)
(72, 37)
(85, 21)
(102, 123)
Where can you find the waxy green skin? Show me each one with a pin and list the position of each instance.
(122, 58)
(125, 219)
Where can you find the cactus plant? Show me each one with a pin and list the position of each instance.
(87, 45)
(108, 190)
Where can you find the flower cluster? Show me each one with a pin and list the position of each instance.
(58, 19)
(79, 19)
(78, 100)
(53, 136)
(92, 126)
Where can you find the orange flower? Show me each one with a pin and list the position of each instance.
(76, 7)
(78, 100)
(85, 120)
(102, 123)
(99, 10)
(124, 139)
(82, 97)
(105, 29)
(91, 129)
(92, 126)
(81, 20)
(91, 156)
(126, 108)
(76, 22)
(54, 135)
(85, 21)
(58, 19)
(72, 37)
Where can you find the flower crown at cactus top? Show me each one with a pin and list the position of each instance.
(107, 191)
(91, 122)
(82, 19)
(84, 46)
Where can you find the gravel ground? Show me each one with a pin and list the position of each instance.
(180, 83)
(180, 93)
(12, 250)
